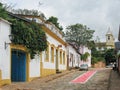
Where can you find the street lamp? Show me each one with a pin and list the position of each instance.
(11, 37)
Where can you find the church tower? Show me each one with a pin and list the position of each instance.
(109, 39)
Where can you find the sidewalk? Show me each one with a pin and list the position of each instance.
(114, 83)
(35, 82)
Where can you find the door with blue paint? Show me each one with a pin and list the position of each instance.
(18, 66)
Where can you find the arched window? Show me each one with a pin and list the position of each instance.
(108, 37)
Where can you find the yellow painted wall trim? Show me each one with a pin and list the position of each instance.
(52, 52)
(0, 77)
(27, 66)
(0, 74)
(46, 72)
(48, 31)
(33, 78)
(41, 69)
(5, 81)
(22, 48)
(18, 47)
(47, 52)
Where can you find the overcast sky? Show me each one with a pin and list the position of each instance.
(98, 15)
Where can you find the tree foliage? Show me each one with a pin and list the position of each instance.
(110, 56)
(91, 44)
(96, 54)
(3, 12)
(54, 20)
(85, 56)
(30, 35)
(78, 34)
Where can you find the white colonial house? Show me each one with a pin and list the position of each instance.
(5, 31)
(15, 62)
(73, 56)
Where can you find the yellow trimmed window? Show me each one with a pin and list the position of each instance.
(47, 54)
(52, 54)
(64, 58)
(41, 57)
(60, 57)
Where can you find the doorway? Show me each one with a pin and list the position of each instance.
(18, 66)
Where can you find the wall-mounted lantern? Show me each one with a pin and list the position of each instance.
(11, 37)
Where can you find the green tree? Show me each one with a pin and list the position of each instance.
(30, 35)
(3, 12)
(91, 44)
(78, 34)
(85, 56)
(54, 20)
(110, 56)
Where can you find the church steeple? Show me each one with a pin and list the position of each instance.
(109, 31)
(109, 39)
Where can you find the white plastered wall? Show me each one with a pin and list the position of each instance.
(35, 66)
(35, 63)
(5, 31)
(50, 65)
(76, 56)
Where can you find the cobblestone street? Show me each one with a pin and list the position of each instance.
(99, 81)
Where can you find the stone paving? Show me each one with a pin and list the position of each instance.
(114, 81)
(62, 82)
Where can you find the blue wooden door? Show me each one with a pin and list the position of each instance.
(18, 66)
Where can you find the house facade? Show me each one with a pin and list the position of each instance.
(73, 57)
(48, 62)
(16, 64)
(5, 31)
(54, 58)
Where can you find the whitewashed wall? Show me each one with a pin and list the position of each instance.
(35, 63)
(5, 31)
(76, 56)
(35, 66)
(51, 65)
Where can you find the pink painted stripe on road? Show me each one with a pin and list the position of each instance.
(84, 77)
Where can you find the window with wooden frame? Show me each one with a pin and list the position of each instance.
(47, 54)
(41, 57)
(60, 57)
(52, 54)
(63, 57)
